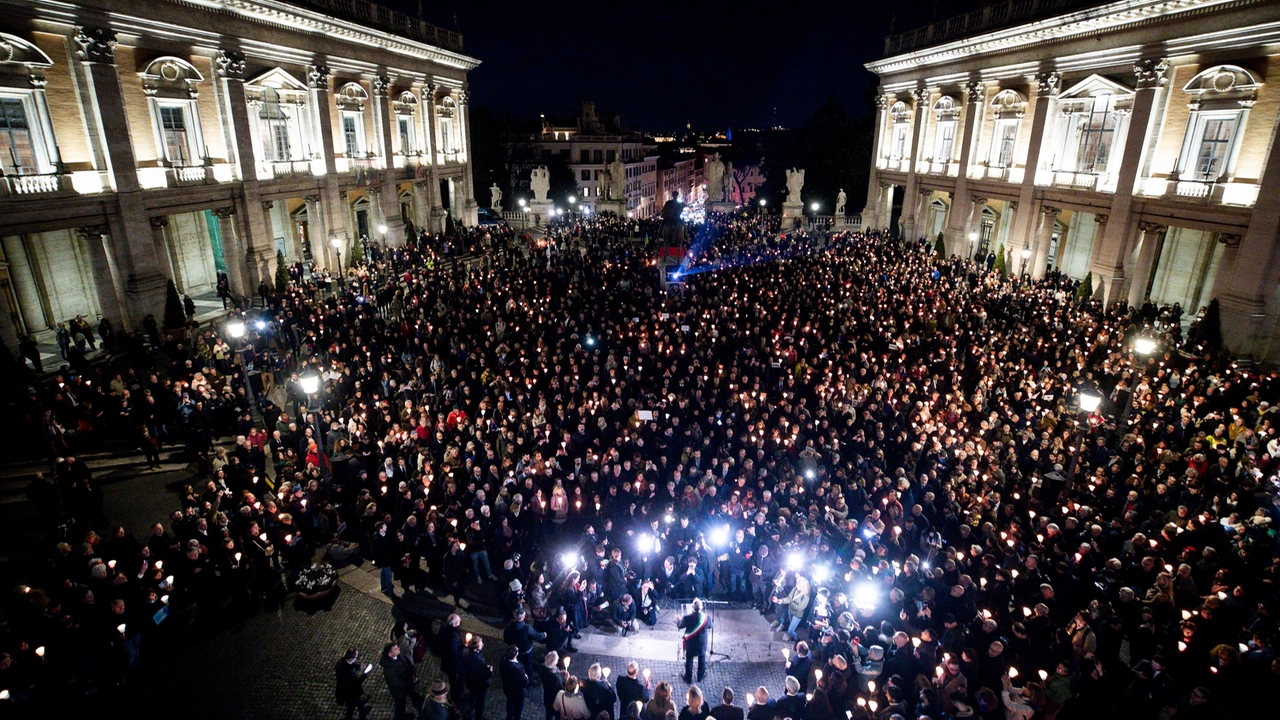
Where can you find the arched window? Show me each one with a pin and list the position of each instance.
(170, 83)
(279, 103)
(27, 145)
(1221, 97)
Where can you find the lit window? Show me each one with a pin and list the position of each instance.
(408, 145)
(351, 133)
(1002, 143)
(1216, 137)
(945, 141)
(17, 150)
(898, 150)
(275, 121)
(173, 129)
(1097, 133)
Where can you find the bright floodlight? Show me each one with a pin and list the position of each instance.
(720, 536)
(235, 328)
(649, 544)
(591, 342)
(820, 573)
(795, 561)
(569, 559)
(382, 229)
(586, 209)
(310, 383)
(573, 199)
(814, 207)
(1144, 346)
(336, 242)
(521, 202)
(1089, 402)
(865, 596)
(763, 202)
(809, 474)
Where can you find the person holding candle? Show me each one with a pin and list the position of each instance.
(551, 678)
(631, 687)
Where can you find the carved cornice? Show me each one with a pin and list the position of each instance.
(1152, 227)
(1101, 219)
(97, 44)
(1231, 240)
(1150, 73)
(89, 232)
(159, 221)
(230, 64)
(224, 212)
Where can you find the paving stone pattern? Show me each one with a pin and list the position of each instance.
(280, 665)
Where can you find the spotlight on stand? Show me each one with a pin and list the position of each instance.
(795, 561)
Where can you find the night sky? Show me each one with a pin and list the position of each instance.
(662, 64)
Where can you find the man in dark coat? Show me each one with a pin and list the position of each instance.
(597, 693)
(514, 681)
(801, 666)
(552, 681)
(477, 674)
(350, 684)
(696, 626)
(398, 670)
(449, 645)
(631, 688)
(522, 635)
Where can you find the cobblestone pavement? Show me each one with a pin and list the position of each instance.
(280, 665)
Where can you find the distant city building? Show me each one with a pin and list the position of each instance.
(161, 140)
(588, 143)
(1132, 140)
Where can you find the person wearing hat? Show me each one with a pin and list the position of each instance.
(515, 679)
(350, 684)
(551, 678)
(437, 706)
(477, 674)
(522, 636)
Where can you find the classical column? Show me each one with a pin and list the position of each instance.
(1020, 232)
(470, 207)
(97, 51)
(229, 65)
(233, 252)
(963, 241)
(1227, 265)
(875, 191)
(390, 208)
(436, 211)
(164, 250)
(317, 232)
(1109, 270)
(1246, 320)
(1153, 235)
(957, 231)
(1044, 238)
(106, 277)
(422, 204)
(909, 221)
(322, 128)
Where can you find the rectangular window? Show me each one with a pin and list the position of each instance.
(898, 149)
(1097, 132)
(1215, 147)
(611, 156)
(173, 128)
(586, 175)
(597, 156)
(945, 142)
(17, 153)
(584, 156)
(407, 144)
(445, 144)
(1006, 135)
(351, 133)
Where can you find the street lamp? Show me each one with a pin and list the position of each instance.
(521, 203)
(1144, 346)
(336, 242)
(236, 331)
(973, 245)
(1089, 402)
(382, 230)
(312, 387)
(1026, 255)
(763, 202)
(814, 207)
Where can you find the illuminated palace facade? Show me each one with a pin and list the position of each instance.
(1133, 141)
(175, 140)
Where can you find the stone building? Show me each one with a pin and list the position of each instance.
(1133, 140)
(174, 140)
(588, 143)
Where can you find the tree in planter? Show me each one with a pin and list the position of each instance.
(356, 254)
(1085, 292)
(174, 316)
(940, 246)
(1001, 264)
(282, 274)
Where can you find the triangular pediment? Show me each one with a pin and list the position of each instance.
(1094, 85)
(278, 78)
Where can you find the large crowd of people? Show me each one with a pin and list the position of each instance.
(959, 494)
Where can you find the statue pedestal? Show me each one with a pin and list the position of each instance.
(541, 210)
(617, 207)
(792, 210)
(721, 206)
